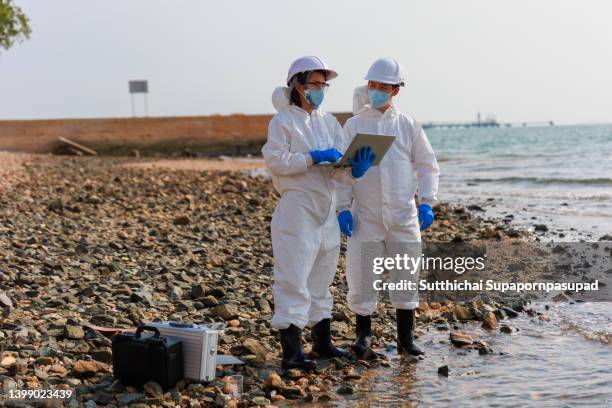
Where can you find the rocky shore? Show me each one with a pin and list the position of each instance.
(90, 241)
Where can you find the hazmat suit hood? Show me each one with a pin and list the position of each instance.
(360, 99)
(280, 98)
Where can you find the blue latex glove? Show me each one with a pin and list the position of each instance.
(345, 219)
(327, 155)
(426, 216)
(363, 161)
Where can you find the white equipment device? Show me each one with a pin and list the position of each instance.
(199, 347)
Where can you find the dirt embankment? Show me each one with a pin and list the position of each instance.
(206, 135)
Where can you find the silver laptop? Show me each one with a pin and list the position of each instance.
(379, 144)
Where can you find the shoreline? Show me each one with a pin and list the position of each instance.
(106, 242)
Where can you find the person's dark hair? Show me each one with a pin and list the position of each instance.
(302, 77)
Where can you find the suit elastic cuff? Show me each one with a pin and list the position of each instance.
(309, 161)
(428, 200)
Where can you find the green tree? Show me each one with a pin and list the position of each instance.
(13, 25)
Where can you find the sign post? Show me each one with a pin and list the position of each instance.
(139, 87)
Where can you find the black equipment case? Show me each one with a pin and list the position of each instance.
(139, 358)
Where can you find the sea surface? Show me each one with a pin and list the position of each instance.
(559, 176)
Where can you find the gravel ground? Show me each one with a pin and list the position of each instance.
(12, 167)
(88, 241)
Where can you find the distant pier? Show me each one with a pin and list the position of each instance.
(485, 124)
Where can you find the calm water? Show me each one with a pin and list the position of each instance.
(560, 176)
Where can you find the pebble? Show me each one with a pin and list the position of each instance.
(509, 311)
(460, 339)
(274, 380)
(153, 389)
(226, 311)
(84, 368)
(443, 371)
(490, 321)
(74, 332)
(345, 389)
(130, 398)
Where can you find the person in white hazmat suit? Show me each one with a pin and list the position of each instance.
(378, 213)
(305, 233)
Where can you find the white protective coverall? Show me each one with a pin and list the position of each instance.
(305, 232)
(383, 204)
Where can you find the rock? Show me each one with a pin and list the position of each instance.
(274, 380)
(255, 347)
(463, 313)
(264, 306)
(58, 368)
(460, 339)
(475, 207)
(74, 332)
(85, 368)
(506, 329)
(561, 297)
(489, 322)
(130, 398)
(44, 360)
(153, 390)
(5, 300)
(222, 400)
(345, 389)
(226, 311)
(198, 291)
(443, 371)
(103, 355)
(19, 368)
(209, 301)
(443, 326)
(540, 227)
(90, 404)
(509, 311)
(277, 398)
(290, 392)
(181, 220)
(261, 401)
(294, 373)
(8, 361)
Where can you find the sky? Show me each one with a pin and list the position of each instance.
(520, 60)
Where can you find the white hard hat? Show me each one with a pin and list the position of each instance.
(386, 70)
(309, 63)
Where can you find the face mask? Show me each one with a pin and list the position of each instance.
(314, 97)
(378, 99)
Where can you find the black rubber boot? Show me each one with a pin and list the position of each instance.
(364, 335)
(405, 333)
(321, 341)
(293, 356)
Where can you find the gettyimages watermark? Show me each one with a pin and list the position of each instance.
(504, 271)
